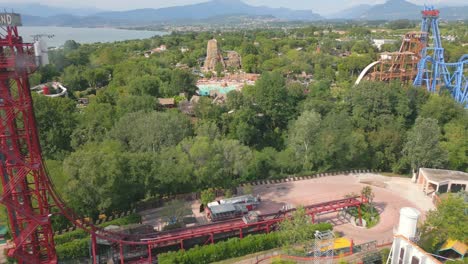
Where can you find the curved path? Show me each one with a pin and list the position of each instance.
(393, 194)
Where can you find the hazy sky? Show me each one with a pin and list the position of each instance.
(319, 6)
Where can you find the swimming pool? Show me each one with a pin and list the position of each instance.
(204, 89)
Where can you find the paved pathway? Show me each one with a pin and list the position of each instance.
(391, 194)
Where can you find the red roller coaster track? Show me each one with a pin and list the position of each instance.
(29, 195)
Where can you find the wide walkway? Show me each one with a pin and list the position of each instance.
(391, 194)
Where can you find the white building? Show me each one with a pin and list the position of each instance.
(379, 42)
(441, 181)
(404, 250)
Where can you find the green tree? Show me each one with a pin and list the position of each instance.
(48, 73)
(456, 144)
(303, 133)
(56, 121)
(207, 196)
(271, 96)
(206, 110)
(401, 24)
(422, 148)
(101, 179)
(174, 211)
(298, 228)
(73, 78)
(442, 108)
(150, 132)
(448, 221)
(245, 125)
(369, 195)
(93, 123)
(234, 100)
(108, 55)
(263, 164)
(373, 104)
(362, 47)
(144, 85)
(132, 104)
(181, 82)
(250, 63)
(337, 151)
(97, 77)
(70, 45)
(248, 48)
(207, 129)
(219, 69)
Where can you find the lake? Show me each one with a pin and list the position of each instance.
(84, 35)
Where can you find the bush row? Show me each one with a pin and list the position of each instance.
(75, 244)
(77, 248)
(78, 234)
(231, 248)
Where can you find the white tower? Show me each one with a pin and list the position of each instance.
(408, 222)
(41, 52)
(404, 249)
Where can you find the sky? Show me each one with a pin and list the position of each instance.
(318, 6)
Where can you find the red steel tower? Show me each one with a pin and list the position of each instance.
(24, 181)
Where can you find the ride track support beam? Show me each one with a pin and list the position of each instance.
(433, 72)
(23, 178)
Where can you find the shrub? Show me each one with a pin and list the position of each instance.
(75, 244)
(282, 261)
(231, 248)
(385, 253)
(75, 249)
(207, 196)
(173, 226)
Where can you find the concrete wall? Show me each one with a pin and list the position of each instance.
(406, 252)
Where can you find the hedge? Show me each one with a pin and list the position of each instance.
(75, 244)
(76, 249)
(78, 234)
(231, 248)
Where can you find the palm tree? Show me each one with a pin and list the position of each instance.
(369, 195)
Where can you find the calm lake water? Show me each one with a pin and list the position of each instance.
(84, 35)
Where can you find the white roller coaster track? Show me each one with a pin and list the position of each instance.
(364, 72)
(55, 85)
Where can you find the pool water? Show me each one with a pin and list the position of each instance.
(204, 89)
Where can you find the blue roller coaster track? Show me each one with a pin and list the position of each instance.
(433, 72)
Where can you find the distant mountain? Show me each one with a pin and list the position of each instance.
(40, 10)
(454, 13)
(392, 10)
(398, 9)
(208, 9)
(43, 15)
(351, 13)
(74, 21)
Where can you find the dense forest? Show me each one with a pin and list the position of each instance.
(123, 147)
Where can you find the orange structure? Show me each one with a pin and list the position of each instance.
(401, 65)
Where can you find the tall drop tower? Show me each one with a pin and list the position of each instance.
(433, 72)
(24, 182)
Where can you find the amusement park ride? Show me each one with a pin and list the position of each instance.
(30, 197)
(421, 63)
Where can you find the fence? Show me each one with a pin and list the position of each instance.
(364, 253)
(159, 202)
(98, 221)
(308, 177)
